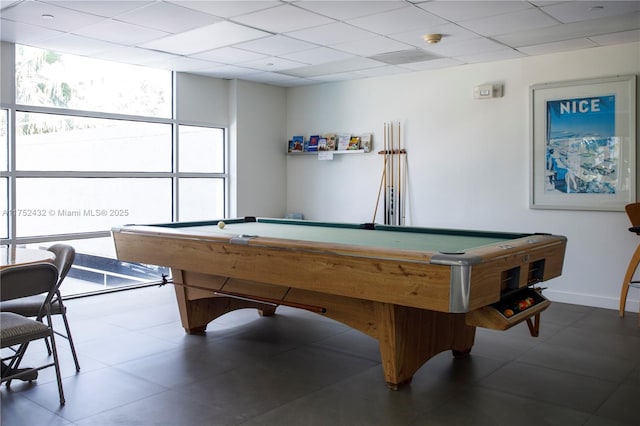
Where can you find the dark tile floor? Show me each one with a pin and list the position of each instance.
(298, 368)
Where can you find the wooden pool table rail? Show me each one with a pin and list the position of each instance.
(409, 278)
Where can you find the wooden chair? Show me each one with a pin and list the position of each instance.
(633, 212)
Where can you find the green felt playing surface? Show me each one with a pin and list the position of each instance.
(439, 241)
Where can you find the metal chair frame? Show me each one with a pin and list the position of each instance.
(29, 307)
(18, 331)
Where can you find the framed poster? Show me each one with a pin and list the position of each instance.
(583, 141)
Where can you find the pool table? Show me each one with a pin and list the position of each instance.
(418, 291)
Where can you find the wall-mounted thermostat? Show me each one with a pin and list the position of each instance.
(487, 91)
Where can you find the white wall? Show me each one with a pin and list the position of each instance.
(258, 127)
(468, 159)
(202, 99)
(255, 115)
(7, 82)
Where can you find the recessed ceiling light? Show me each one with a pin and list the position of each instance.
(47, 16)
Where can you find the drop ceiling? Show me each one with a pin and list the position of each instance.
(300, 42)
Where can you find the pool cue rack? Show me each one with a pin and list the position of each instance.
(394, 176)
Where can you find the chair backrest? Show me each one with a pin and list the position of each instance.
(65, 255)
(28, 280)
(633, 212)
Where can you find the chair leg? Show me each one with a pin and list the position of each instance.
(46, 343)
(628, 277)
(15, 359)
(70, 339)
(57, 367)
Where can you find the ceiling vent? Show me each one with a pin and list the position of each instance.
(404, 57)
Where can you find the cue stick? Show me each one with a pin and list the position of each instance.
(388, 177)
(396, 156)
(275, 302)
(399, 178)
(402, 155)
(255, 299)
(382, 179)
(392, 200)
(406, 186)
(384, 173)
(378, 199)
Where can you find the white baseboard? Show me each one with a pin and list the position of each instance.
(591, 300)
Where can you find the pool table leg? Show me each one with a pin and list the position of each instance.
(409, 337)
(198, 308)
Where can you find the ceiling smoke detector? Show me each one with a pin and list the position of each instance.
(432, 38)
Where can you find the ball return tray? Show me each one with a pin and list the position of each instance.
(512, 309)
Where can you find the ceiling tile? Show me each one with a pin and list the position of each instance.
(343, 10)
(104, 8)
(347, 65)
(381, 71)
(268, 77)
(617, 38)
(319, 55)
(372, 46)
(229, 55)
(466, 10)
(341, 76)
(8, 3)
(227, 9)
(134, 55)
(18, 32)
(467, 47)
(545, 2)
(331, 34)
(76, 45)
(398, 20)
(182, 63)
(119, 32)
(276, 45)
(168, 17)
(510, 22)
(559, 46)
(283, 19)
(496, 55)
(205, 38)
(571, 31)
(272, 63)
(63, 19)
(296, 82)
(431, 65)
(587, 10)
(227, 71)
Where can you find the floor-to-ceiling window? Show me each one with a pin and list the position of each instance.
(88, 145)
(4, 180)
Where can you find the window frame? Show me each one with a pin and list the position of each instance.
(175, 174)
